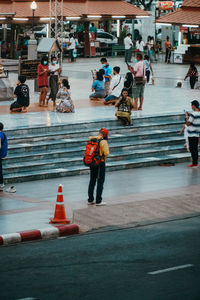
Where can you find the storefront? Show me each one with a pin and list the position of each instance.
(18, 12)
(187, 19)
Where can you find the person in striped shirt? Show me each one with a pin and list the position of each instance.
(193, 123)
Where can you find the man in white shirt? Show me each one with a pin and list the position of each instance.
(116, 86)
(128, 48)
(71, 46)
(138, 71)
(193, 123)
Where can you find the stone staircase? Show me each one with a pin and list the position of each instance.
(57, 151)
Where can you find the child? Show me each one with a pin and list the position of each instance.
(22, 94)
(66, 105)
(149, 69)
(185, 130)
(3, 153)
(128, 83)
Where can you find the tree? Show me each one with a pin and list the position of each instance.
(145, 3)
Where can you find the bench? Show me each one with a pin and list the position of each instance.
(117, 49)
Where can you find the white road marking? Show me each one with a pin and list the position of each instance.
(171, 269)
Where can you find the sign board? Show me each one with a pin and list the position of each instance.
(178, 58)
(28, 68)
(166, 5)
(193, 30)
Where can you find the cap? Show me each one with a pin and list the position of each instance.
(105, 132)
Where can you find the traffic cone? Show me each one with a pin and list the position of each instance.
(59, 215)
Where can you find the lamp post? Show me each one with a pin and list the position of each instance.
(33, 7)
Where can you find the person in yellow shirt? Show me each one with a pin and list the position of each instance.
(97, 173)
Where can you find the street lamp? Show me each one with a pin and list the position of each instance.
(33, 7)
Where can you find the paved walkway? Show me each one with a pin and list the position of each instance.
(34, 202)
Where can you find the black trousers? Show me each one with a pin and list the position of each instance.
(148, 75)
(71, 54)
(193, 145)
(96, 174)
(167, 55)
(192, 81)
(1, 172)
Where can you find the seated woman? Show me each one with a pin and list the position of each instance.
(124, 106)
(98, 88)
(66, 105)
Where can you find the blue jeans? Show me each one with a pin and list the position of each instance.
(96, 174)
(111, 97)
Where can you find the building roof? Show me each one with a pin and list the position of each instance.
(188, 13)
(191, 3)
(80, 8)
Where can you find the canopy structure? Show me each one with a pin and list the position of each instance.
(187, 14)
(20, 11)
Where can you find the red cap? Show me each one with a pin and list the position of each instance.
(105, 132)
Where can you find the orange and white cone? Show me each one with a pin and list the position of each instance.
(59, 215)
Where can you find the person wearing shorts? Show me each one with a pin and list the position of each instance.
(139, 81)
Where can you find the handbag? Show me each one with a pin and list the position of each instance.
(139, 80)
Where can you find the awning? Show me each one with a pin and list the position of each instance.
(188, 14)
(82, 9)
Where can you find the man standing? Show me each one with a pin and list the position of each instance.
(3, 153)
(97, 173)
(168, 50)
(116, 86)
(71, 46)
(128, 48)
(107, 76)
(193, 123)
(138, 71)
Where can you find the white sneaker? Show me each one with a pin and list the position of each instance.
(101, 204)
(1, 187)
(11, 189)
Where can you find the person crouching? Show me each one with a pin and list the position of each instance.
(21, 92)
(124, 106)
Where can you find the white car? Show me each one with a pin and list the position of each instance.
(106, 38)
(127, 24)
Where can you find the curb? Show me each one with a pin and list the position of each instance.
(38, 234)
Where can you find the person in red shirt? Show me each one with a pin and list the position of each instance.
(42, 79)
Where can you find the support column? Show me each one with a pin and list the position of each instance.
(87, 38)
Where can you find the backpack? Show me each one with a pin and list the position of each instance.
(92, 156)
(4, 145)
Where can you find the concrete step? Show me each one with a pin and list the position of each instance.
(81, 169)
(43, 145)
(108, 123)
(85, 132)
(76, 160)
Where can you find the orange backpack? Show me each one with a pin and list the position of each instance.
(92, 157)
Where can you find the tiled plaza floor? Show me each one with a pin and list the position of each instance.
(33, 204)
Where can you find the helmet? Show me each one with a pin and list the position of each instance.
(105, 132)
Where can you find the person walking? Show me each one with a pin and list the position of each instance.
(54, 70)
(97, 173)
(42, 79)
(138, 71)
(116, 86)
(148, 66)
(168, 49)
(128, 48)
(3, 153)
(192, 74)
(107, 75)
(193, 123)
